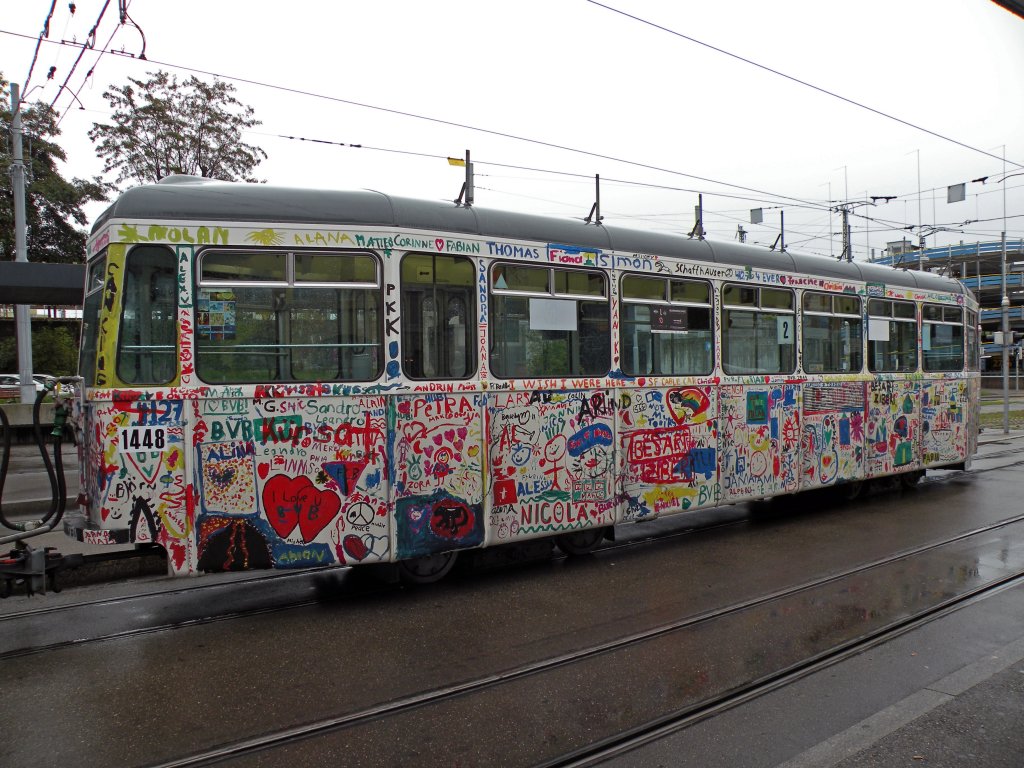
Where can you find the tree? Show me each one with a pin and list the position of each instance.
(53, 205)
(54, 349)
(161, 126)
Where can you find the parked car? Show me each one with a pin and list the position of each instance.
(14, 380)
(40, 380)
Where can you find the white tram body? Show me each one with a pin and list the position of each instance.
(292, 378)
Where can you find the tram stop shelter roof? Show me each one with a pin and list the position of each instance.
(26, 282)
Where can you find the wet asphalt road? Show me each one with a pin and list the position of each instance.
(337, 647)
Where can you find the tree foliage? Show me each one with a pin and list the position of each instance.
(54, 349)
(161, 126)
(53, 205)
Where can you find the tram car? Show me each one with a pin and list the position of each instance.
(291, 378)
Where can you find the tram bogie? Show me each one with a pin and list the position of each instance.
(310, 387)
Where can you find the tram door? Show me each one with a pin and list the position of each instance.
(436, 435)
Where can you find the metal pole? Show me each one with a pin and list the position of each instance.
(1005, 304)
(920, 224)
(22, 317)
(831, 234)
(977, 267)
(867, 231)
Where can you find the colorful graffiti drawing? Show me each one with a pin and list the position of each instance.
(832, 446)
(306, 475)
(669, 451)
(892, 432)
(550, 457)
(759, 450)
(437, 523)
(143, 492)
(285, 479)
(231, 544)
(227, 477)
(944, 413)
(292, 503)
(437, 455)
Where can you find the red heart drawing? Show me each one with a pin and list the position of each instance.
(355, 547)
(279, 504)
(291, 501)
(318, 509)
(263, 469)
(439, 243)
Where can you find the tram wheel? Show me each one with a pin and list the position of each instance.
(426, 569)
(910, 479)
(849, 491)
(580, 542)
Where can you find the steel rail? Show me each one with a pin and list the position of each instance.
(654, 729)
(375, 588)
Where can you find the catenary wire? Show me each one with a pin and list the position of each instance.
(526, 139)
(799, 81)
(801, 203)
(45, 32)
(451, 123)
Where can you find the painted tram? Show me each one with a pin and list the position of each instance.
(291, 378)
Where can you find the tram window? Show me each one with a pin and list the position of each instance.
(973, 347)
(639, 288)
(774, 298)
(95, 280)
(739, 295)
(548, 321)
(690, 291)
(758, 330)
(892, 336)
(328, 268)
(832, 335)
(252, 266)
(942, 338)
(569, 283)
(514, 277)
(847, 305)
(280, 316)
(817, 302)
(147, 341)
(438, 307)
(666, 327)
(903, 309)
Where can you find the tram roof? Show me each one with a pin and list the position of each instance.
(198, 199)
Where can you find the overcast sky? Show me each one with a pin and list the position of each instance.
(548, 93)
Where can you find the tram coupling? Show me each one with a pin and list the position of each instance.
(31, 567)
(24, 564)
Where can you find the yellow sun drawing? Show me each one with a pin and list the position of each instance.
(265, 237)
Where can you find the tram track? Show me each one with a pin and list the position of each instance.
(274, 591)
(271, 593)
(675, 722)
(191, 589)
(638, 654)
(425, 705)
